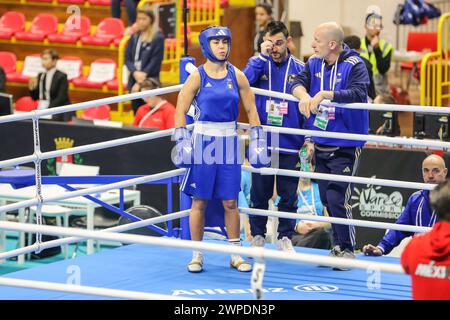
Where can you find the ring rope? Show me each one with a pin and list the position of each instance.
(344, 221)
(359, 106)
(92, 190)
(342, 178)
(89, 104)
(351, 136)
(112, 293)
(121, 228)
(259, 253)
(190, 68)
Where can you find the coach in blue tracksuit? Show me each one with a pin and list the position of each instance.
(274, 70)
(417, 211)
(338, 74)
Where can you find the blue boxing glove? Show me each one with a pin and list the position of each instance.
(258, 152)
(183, 154)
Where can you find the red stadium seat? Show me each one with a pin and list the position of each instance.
(107, 30)
(419, 41)
(67, 63)
(26, 104)
(10, 23)
(171, 43)
(129, 32)
(20, 76)
(97, 113)
(72, 1)
(85, 82)
(113, 85)
(100, 2)
(41, 26)
(205, 4)
(8, 61)
(72, 32)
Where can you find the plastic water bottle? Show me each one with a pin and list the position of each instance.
(305, 165)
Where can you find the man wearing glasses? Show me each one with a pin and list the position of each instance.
(377, 50)
(418, 211)
(275, 69)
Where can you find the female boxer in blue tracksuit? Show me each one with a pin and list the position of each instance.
(211, 158)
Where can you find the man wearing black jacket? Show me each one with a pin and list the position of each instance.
(51, 87)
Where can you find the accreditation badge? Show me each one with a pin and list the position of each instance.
(331, 113)
(274, 115)
(321, 120)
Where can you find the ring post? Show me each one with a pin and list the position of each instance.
(185, 201)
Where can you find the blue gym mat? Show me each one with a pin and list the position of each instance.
(163, 270)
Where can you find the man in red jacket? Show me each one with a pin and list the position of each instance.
(157, 112)
(427, 257)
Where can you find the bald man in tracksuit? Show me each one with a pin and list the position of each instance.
(338, 74)
(275, 69)
(417, 212)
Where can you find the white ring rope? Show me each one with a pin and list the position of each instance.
(112, 293)
(258, 253)
(89, 104)
(344, 221)
(121, 228)
(342, 178)
(87, 147)
(360, 106)
(355, 137)
(363, 106)
(93, 190)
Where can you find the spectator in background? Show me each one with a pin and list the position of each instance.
(377, 50)
(51, 87)
(144, 52)
(385, 99)
(2, 80)
(157, 112)
(130, 7)
(263, 15)
(310, 234)
(354, 42)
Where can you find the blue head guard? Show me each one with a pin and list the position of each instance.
(214, 33)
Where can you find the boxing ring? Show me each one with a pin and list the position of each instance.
(155, 267)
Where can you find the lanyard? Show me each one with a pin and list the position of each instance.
(155, 108)
(312, 208)
(332, 76)
(285, 76)
(138, 49)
